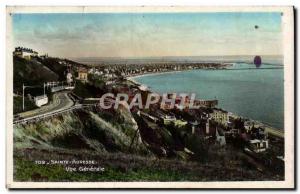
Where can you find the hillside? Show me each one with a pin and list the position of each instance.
(128, 146)
(87, 130)
(30, 72)
(113, 141)
(39, 70)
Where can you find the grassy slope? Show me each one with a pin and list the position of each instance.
(83, 135)
(78, 130)
(82, 90)
(18, 103)
(55, 66)
(131, 167)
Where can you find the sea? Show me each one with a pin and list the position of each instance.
(243, 89)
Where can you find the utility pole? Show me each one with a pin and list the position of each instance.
(44, 89)
(23, 94)
(23, 97)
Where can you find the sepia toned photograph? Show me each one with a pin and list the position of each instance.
(150, 97)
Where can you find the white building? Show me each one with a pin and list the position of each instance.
(220, 116)
(40, 100)
(257, 145)
(165, 118)
(25, 53)
(69, 78)
(143, 87)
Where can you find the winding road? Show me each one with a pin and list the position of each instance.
(60, 101)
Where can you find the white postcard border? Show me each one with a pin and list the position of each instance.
(288, 44)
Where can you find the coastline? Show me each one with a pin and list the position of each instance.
(155, 73)
(269, 129)
(172, 71)
(131, 78)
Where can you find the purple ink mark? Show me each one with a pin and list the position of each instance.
(257, 61)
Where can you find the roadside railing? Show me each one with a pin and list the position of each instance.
(54, 113)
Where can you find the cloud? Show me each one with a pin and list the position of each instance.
(153, 35)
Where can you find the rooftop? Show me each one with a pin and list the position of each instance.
(82, 70)
(23, 49)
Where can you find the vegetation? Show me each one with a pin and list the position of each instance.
(225, 165)
(130, 148)
(96, 81)
(82, 90)
(18, 104)
(89, 89)
(27, 169)
(56, 67)
(84, 135)
(198, 146)
(30, 73)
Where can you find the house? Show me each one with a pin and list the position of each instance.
(82, 74)
(220, 116)
(40, 100)
(206, 103)
(258, 133)
(69, 78)
(110, 82)
(25, 53)
(249, 125)
(257, 145)
(201, 128)
(194, 126)
(165, 118)
(180, 123)
(232, 133)
(143, 88)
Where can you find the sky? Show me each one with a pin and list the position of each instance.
(149, 34)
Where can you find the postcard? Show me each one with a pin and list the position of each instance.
(150, 97)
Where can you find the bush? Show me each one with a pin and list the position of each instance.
(82, 90)
(198, 146)
(18, 104)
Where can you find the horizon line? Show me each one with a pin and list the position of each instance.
(278, 55)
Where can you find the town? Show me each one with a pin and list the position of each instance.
(210, 125)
